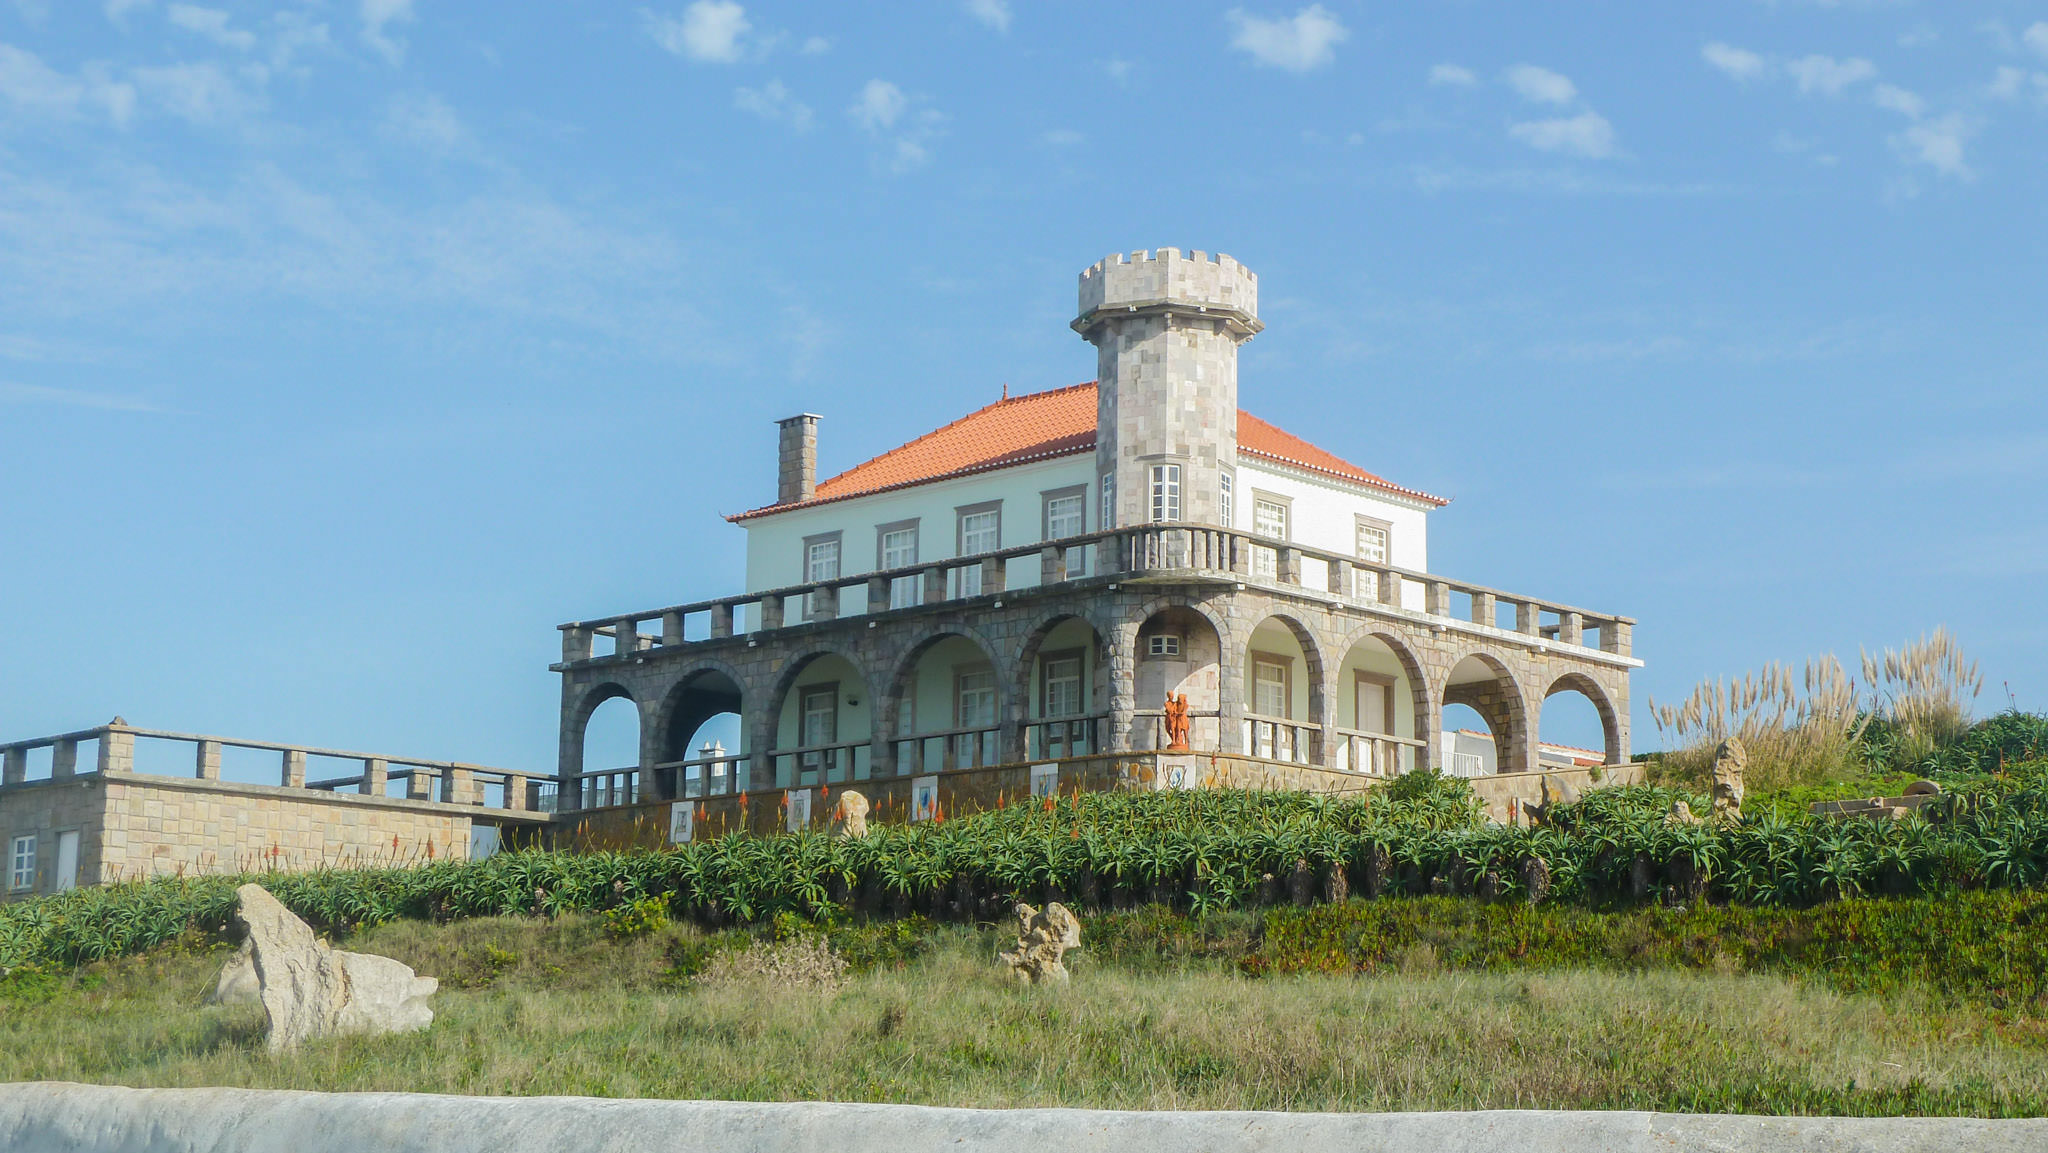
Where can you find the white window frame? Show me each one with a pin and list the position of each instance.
(1263, 661)
(1108, 501)
(815, 549)
(1385, 529)
(904, 591)
(1163, 506)
(1223, 499)
(1266, 561)
(1165, 646)
(21, 862)
(967, 580)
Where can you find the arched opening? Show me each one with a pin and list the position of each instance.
(1577, 726)
(1483, 725)
(823, 724)
(703, 743)
(1283, 678)
(1381, 710)
(611, 750)
(1065, 690)
(949, 708)
(1179, 653)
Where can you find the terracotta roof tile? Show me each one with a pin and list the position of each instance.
(1040, 426)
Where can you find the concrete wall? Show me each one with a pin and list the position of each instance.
(111, 1119)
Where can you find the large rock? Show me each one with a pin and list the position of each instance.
(1042, 940)
(310, 990)
(237, 983)
(1730, 761)
(853, 813)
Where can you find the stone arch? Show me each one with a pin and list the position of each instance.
(579, 722)
(765, 731)
(1023, 687)
(707, 688)
(1305, 741)
(1482, 681)
(1594, 691)
(1198, 667)
(1422, 703)
(902, 687)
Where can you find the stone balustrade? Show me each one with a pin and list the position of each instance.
(1183, 551)
(448, 782)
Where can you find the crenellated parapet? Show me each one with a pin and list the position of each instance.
(1166, 280)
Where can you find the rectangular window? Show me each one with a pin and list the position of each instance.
(981, 531)
(1372, 541)
(1269, 520)
(820, 704)
(1165, 493)
(1223, 499)
(821, 560)
(974, 707)
(1269, 688)
(21, 871)
(1108, 500)
(898, 548)
(1163, 645)
(1060, 695)
(1066, 516)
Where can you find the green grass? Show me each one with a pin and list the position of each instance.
(1158, 1017)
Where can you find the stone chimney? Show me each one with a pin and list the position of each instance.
(796, 471)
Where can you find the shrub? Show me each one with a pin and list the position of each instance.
(636, 918)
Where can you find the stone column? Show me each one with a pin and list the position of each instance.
(13, 766)
(878, 594)
(208, 761)
(1617, 637)
(517, 795)
(721, 620)
(993, 572)
(934, 584)
(1390, 588)
(1340, 577)
(575, 644)
(1052, 565)
(419, 786)
(117, 750)
(771, 612)
(376, 776)
(457, 786)
(63, 760)
(294, 776)
(671, 629)
(1525, 618)
(1436, 598)
(1483, 609)
(1571, 629)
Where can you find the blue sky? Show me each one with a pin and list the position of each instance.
(346, 348)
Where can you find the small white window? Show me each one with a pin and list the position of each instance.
(899, 550)
(1164, 645)
(1269, 519)
(1108, 500)
(1165, 492)
(1061, 695)
(1269, 689)
(1372, 542)
(21, 872)
(1223, 500)
(980, 532)
(1065, 515)
(821, 560)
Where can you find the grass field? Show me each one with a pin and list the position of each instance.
(553, 1006)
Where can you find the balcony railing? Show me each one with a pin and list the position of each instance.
(1154, 551)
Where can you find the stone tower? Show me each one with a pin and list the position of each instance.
(1166, 329)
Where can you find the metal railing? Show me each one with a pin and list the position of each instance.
(1194, 551)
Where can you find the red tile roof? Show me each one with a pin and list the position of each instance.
(1043, 425)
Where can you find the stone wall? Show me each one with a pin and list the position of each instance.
(46, 809)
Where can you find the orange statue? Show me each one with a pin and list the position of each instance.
(1176, 722)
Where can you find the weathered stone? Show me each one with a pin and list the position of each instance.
(237, 983)
(1042, 940)
(1681, 814)
(1730, 760)
(853, 813)
(310, 990)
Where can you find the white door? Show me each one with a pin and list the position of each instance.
(67, 860)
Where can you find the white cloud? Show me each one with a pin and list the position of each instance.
(211, 23)
(199, 93)
(1118, 70)
(1452, 75)
(426, 121)
(1899, 100)
(1305, 41)
(709, 30)
(294, 33)
(1541, 85)
(774, 102)
(994, 13)
(1063, 138)
(1937, 143)
(879, 106)
(816, 46)
(2007, 83)
(1587, 134)
(378, 15)
(11, 393)
(28, 83)
(1739, 63)
(1828, 75)
(2036, 37)
(117, 9)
